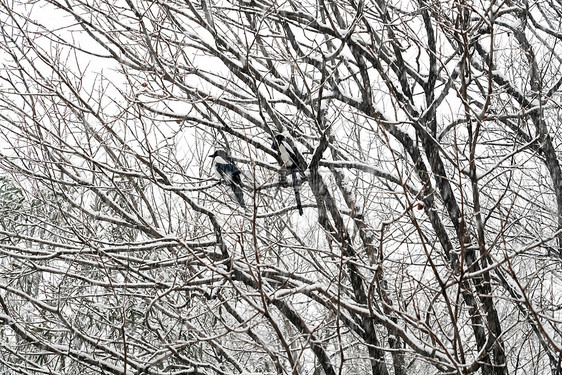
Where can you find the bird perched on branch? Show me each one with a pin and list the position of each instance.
(226, 170)
(284, 144)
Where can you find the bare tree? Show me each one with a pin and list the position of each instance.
(428, 132)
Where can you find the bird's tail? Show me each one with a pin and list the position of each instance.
(239, 194)
(236, 186)
(296, 187)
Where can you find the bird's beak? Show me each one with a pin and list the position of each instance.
(211, 156)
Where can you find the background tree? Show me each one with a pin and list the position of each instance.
(431, 240)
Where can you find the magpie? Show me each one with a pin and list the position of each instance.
(285, 146)
(226, 170)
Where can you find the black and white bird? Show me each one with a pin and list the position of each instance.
(284, 144)
(226, 170)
